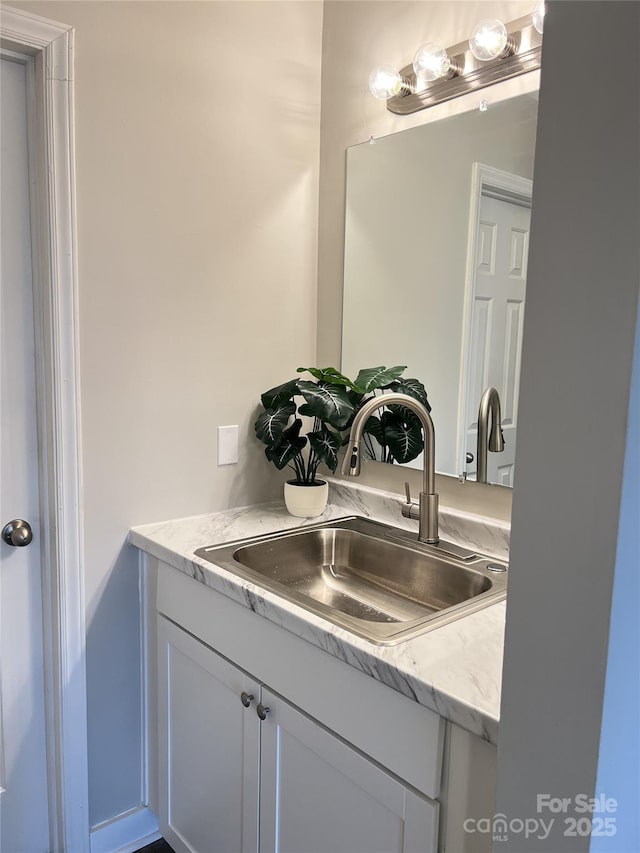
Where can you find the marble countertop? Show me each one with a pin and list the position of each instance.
(455, 670)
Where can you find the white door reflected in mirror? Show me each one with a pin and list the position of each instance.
(498, 250)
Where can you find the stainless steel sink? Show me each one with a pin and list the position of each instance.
(372, 579)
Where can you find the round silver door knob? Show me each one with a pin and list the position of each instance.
(262, 711)
(17, 533)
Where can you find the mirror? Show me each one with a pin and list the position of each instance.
(436, 242)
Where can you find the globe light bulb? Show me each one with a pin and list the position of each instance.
(489, 40)
(538, 16)
(431, 62)
(384, 82)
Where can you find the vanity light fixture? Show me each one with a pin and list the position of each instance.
(495, 52)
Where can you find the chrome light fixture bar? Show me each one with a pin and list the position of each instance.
(523, 55)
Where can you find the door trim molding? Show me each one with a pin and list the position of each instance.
(485, 180)
(48, 50)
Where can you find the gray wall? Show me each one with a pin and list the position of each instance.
(584, 275)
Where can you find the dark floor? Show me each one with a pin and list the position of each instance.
(160, 846)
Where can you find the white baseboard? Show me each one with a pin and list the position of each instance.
(126, 833)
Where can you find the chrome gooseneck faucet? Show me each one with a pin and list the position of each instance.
(489, 404)
(426, 511)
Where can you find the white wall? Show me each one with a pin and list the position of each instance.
(197, 129)
(579, 330)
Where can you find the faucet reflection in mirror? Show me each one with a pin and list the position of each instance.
(493, 53)
(489, 406)
(426, 511)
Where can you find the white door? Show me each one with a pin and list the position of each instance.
(320, 795)
(496, 326)
(24, 823)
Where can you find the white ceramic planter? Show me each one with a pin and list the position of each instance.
(306, 501)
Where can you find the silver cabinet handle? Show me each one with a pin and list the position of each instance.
(17, 533)
(246, 698)
(262, 712)
(469, 458)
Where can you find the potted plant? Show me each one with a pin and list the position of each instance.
(328, 405)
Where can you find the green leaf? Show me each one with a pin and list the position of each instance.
(373, 427)
(328, 374)
(281, 455)
(405, 414)
(272, 423)
(281, 393)
(356, 398)
(376, 377)
(413, 388)
(326, 445)
(330, 403)
(292, 434)
(402, 435)
(290, 446)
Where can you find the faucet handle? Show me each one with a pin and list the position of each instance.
(410, 509)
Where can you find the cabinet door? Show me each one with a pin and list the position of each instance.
(319, 794)
(208, 748)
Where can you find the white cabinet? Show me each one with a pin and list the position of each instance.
(319, 794)
(230, 781)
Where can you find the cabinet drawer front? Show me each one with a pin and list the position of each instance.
(317, 793)
(395, 731)
(208, 748)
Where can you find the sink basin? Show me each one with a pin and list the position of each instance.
(372, 579)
